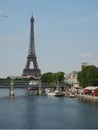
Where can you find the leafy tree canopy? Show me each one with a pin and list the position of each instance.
(52, 78)
(88, 76)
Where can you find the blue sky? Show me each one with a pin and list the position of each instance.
(66, 34)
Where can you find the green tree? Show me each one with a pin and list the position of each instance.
(47, 78)
(88, 76)
(60, 76)
(52, 78)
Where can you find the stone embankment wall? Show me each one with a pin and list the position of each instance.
(88, 98)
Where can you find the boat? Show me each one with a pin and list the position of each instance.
(55, 93)
(70, 95)
(58, 93)
(50, 93)
(30, 88)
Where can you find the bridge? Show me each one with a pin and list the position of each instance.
(11, 84)
(36, 85)
(16, 83)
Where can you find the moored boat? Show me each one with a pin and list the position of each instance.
(55, 93)
(58, 93)
(70, 95)
(30, 88)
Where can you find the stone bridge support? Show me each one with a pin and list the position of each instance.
(11, 88)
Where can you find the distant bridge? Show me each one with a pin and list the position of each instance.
(36, 85)
(25, 84)
(16, 83)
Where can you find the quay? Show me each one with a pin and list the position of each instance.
(88, 98)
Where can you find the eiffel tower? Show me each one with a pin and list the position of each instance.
(35, 71)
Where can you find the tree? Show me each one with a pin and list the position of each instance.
(47, 78)
(60, 76)
(52, 78)
(88, 76)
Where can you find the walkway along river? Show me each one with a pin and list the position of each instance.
(27, 111)
(88, 98)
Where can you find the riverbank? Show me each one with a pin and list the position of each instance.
(88, 98)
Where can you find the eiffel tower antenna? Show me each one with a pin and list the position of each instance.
(35, 71)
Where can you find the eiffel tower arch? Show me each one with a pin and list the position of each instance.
(31, 58)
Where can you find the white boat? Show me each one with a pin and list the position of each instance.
(70, 95)
(50, 93)
(55, 93)
(30, 88)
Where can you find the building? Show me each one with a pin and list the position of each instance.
(83, 65)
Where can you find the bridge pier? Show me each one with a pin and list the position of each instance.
(39, 92)
(12, 88)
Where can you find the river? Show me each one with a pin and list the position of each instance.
(27, 111)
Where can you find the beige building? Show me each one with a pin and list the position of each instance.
(71, 78)
(83, 65)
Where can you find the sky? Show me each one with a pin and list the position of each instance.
(65, 31)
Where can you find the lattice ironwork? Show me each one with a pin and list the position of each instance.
(35, 71)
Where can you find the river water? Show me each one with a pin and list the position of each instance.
(27, 111)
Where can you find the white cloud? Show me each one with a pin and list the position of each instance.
(87, 55)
